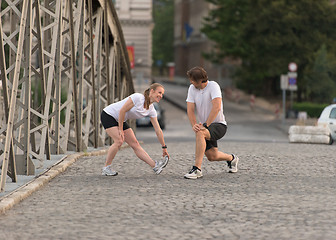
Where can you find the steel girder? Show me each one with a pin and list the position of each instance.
(61, 63)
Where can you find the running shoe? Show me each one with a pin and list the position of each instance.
(159, 165)
(108, 172)
(194, 173)
(233, 165)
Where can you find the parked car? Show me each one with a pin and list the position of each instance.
(145, 121)
(328, 119)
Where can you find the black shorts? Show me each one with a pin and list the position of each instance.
(108, 121)
(217, 131)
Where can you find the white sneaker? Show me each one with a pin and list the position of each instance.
(108, 172)
(233, 165)
(159, 165)
(194, 173)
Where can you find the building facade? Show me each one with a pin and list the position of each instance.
(190, 43)
(136, 19)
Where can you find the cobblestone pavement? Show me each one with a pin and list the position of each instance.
(282, 191)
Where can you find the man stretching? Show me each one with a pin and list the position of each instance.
(206, 98)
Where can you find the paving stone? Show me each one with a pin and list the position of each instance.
(281, 191)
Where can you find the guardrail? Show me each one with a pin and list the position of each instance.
(61, 63)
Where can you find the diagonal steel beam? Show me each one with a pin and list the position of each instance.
(12, 105)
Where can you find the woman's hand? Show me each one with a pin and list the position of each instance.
(121, 134)
(165, 152)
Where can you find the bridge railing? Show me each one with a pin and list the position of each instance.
(61, 63)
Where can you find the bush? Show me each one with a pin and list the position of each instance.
(313, 110)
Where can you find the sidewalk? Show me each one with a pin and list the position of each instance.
(15, 192)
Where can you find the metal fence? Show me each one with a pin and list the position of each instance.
(61, 63)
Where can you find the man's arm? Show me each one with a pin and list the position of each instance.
(216, 107)
(191, 113)
(192, 117)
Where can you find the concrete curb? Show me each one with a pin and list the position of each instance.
(9, 200)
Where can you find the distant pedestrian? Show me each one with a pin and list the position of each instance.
(252, 101)
(135, 106)
(206, 98)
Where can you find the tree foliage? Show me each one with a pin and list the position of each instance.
(267, 35)
(321, 84)
(163, 32)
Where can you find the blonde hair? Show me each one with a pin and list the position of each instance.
(154, 86)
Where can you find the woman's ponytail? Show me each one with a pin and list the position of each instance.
(146, 94)
(147, 99)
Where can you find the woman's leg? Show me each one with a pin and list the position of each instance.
(114, 148)
(131, 140)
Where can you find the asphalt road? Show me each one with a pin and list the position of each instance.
(244, 125)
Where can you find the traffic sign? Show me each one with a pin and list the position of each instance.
(292, 67)
(292, 74)
(284, 82)
(288, 81)
(292, 81)
(292, 87)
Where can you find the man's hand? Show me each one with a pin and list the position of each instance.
(198, 127)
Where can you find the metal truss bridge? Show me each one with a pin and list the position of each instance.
(61, 63)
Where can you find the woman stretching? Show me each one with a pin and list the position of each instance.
(135, 106)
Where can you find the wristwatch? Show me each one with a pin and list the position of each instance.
(165, 146)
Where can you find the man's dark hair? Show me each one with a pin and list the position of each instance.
(198, 74)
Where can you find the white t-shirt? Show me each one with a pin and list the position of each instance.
(202, 99)
(137, 111)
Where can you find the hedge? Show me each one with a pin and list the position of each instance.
(313, 110)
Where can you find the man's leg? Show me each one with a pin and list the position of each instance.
(196, 171)
(201, 136)
(214, 155)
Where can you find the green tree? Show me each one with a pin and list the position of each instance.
(224, 26)
(3, 5)
(321, 81)
(163, 32)
(267, 35)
